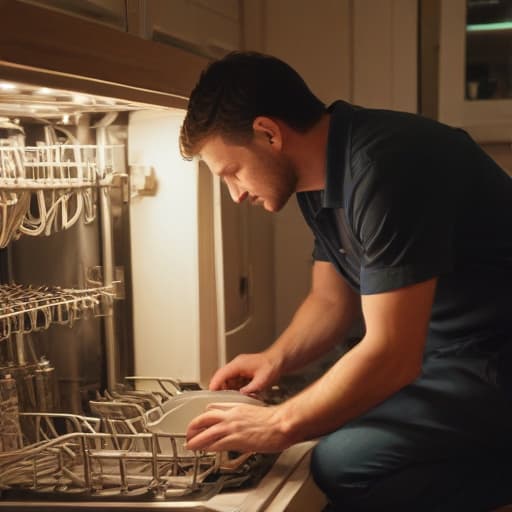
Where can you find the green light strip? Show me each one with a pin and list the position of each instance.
(503, 25)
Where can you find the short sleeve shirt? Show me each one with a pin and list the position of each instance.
(407, 199)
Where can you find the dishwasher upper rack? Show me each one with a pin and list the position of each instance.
(49, 187)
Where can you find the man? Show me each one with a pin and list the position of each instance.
(413, 228)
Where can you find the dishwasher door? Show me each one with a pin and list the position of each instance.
(287, 487)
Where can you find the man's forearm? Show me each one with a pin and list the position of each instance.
(388, 358)
(356, 383)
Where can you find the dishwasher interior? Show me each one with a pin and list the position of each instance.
(77, 430)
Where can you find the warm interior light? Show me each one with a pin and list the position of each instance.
(5, 86)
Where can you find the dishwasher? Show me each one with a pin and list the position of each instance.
(111, 297)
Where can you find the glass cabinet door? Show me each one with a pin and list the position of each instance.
(488, 49)
(469, 55)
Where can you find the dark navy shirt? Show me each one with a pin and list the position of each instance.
(407, 199)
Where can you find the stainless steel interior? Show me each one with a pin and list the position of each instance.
(61, 154)
(65, 333)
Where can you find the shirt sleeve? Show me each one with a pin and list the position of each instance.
(403, 216)
(319, 253)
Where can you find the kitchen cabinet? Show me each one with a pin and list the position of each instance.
(208, 27)
(384, 54)
(114, 62)
(107, 12)
(488, 50)
(467, 66)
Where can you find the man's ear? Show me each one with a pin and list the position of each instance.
(270, 129)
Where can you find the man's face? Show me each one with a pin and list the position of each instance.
(257, 171)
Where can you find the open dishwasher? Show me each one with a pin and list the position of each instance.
(76, 430)
(109, 258)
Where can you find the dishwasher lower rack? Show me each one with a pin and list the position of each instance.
(85, 463)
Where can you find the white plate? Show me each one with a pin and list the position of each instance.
(183, 408)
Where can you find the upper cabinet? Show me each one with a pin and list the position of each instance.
(488, 50)
(209, 27)
(467, 65)
(384, 54)
(107, 12)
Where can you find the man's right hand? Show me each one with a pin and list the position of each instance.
(249, 373)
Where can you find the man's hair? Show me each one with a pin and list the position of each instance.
(233, 91)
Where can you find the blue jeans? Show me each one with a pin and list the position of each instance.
(441, 444)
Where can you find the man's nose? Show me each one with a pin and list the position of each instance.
(236, 193)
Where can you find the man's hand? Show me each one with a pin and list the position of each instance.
(243, 428)
(248, 373)
(322, 321)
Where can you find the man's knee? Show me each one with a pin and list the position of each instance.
(338, 469)
(362, 465)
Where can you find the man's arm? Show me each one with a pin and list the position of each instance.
(388, 358)
(322, 320)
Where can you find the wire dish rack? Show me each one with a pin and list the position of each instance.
(48, 188)
(113, 455)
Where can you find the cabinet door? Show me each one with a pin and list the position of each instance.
(108, 12)
(475, 67)
(488, 50)
(384, 58)
(211, 26)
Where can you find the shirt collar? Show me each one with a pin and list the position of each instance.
(337, 153)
